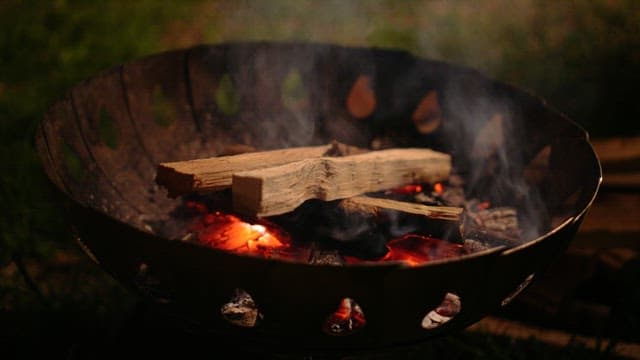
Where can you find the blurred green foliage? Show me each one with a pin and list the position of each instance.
(46, 48)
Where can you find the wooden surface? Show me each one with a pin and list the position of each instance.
(589, 288)
(519, 330)
(620, 160)
(280, 189)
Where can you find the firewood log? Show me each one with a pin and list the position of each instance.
(214, 174)
(280, 189)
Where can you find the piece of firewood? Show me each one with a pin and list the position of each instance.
(367, 203)
(280, 189)
(360, 216)
(213, 174)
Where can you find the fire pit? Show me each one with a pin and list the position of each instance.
(510, 153)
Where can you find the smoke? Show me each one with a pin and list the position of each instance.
(481, 126)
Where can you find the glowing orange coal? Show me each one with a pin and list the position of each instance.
(347, 318)
(438, 188)
(415, 249)
(229, 232)
(408, 189)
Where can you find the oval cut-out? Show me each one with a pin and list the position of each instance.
(447, 310)
(426, 116)
(294, 93)
(490, 138)
(361, 101)
(150, 285)
(163, 112)
(345, 320)
(226, 96)
(107, 129)
(72, 162)
(241, 310)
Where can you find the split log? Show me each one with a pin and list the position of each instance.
(394, 218)
(214, 174)
(280, 189)
(374, 205)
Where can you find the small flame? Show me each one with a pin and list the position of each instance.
(229, 232)
(438, 188)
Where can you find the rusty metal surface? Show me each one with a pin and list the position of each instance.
(100, 146)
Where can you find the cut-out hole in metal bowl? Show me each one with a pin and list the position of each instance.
(241, 310)
(447, 310)
(523, 285)
(84, 247)
(345, 320)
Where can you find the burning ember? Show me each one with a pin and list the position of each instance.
(415, 249)
(229, 232)
(408, 189)
(336, 208)
(346, 319)
(447, 310)
(484, 227)
(438, 188)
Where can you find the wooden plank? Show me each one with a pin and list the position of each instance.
(212, 174)
(280, 189)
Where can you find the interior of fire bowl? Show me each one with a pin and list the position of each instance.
(522, 176)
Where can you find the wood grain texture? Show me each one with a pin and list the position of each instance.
(280, 189)
(212, 174)
(449, 213)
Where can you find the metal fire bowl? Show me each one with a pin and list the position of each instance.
(100, 145)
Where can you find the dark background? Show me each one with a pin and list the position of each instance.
(582, 56)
